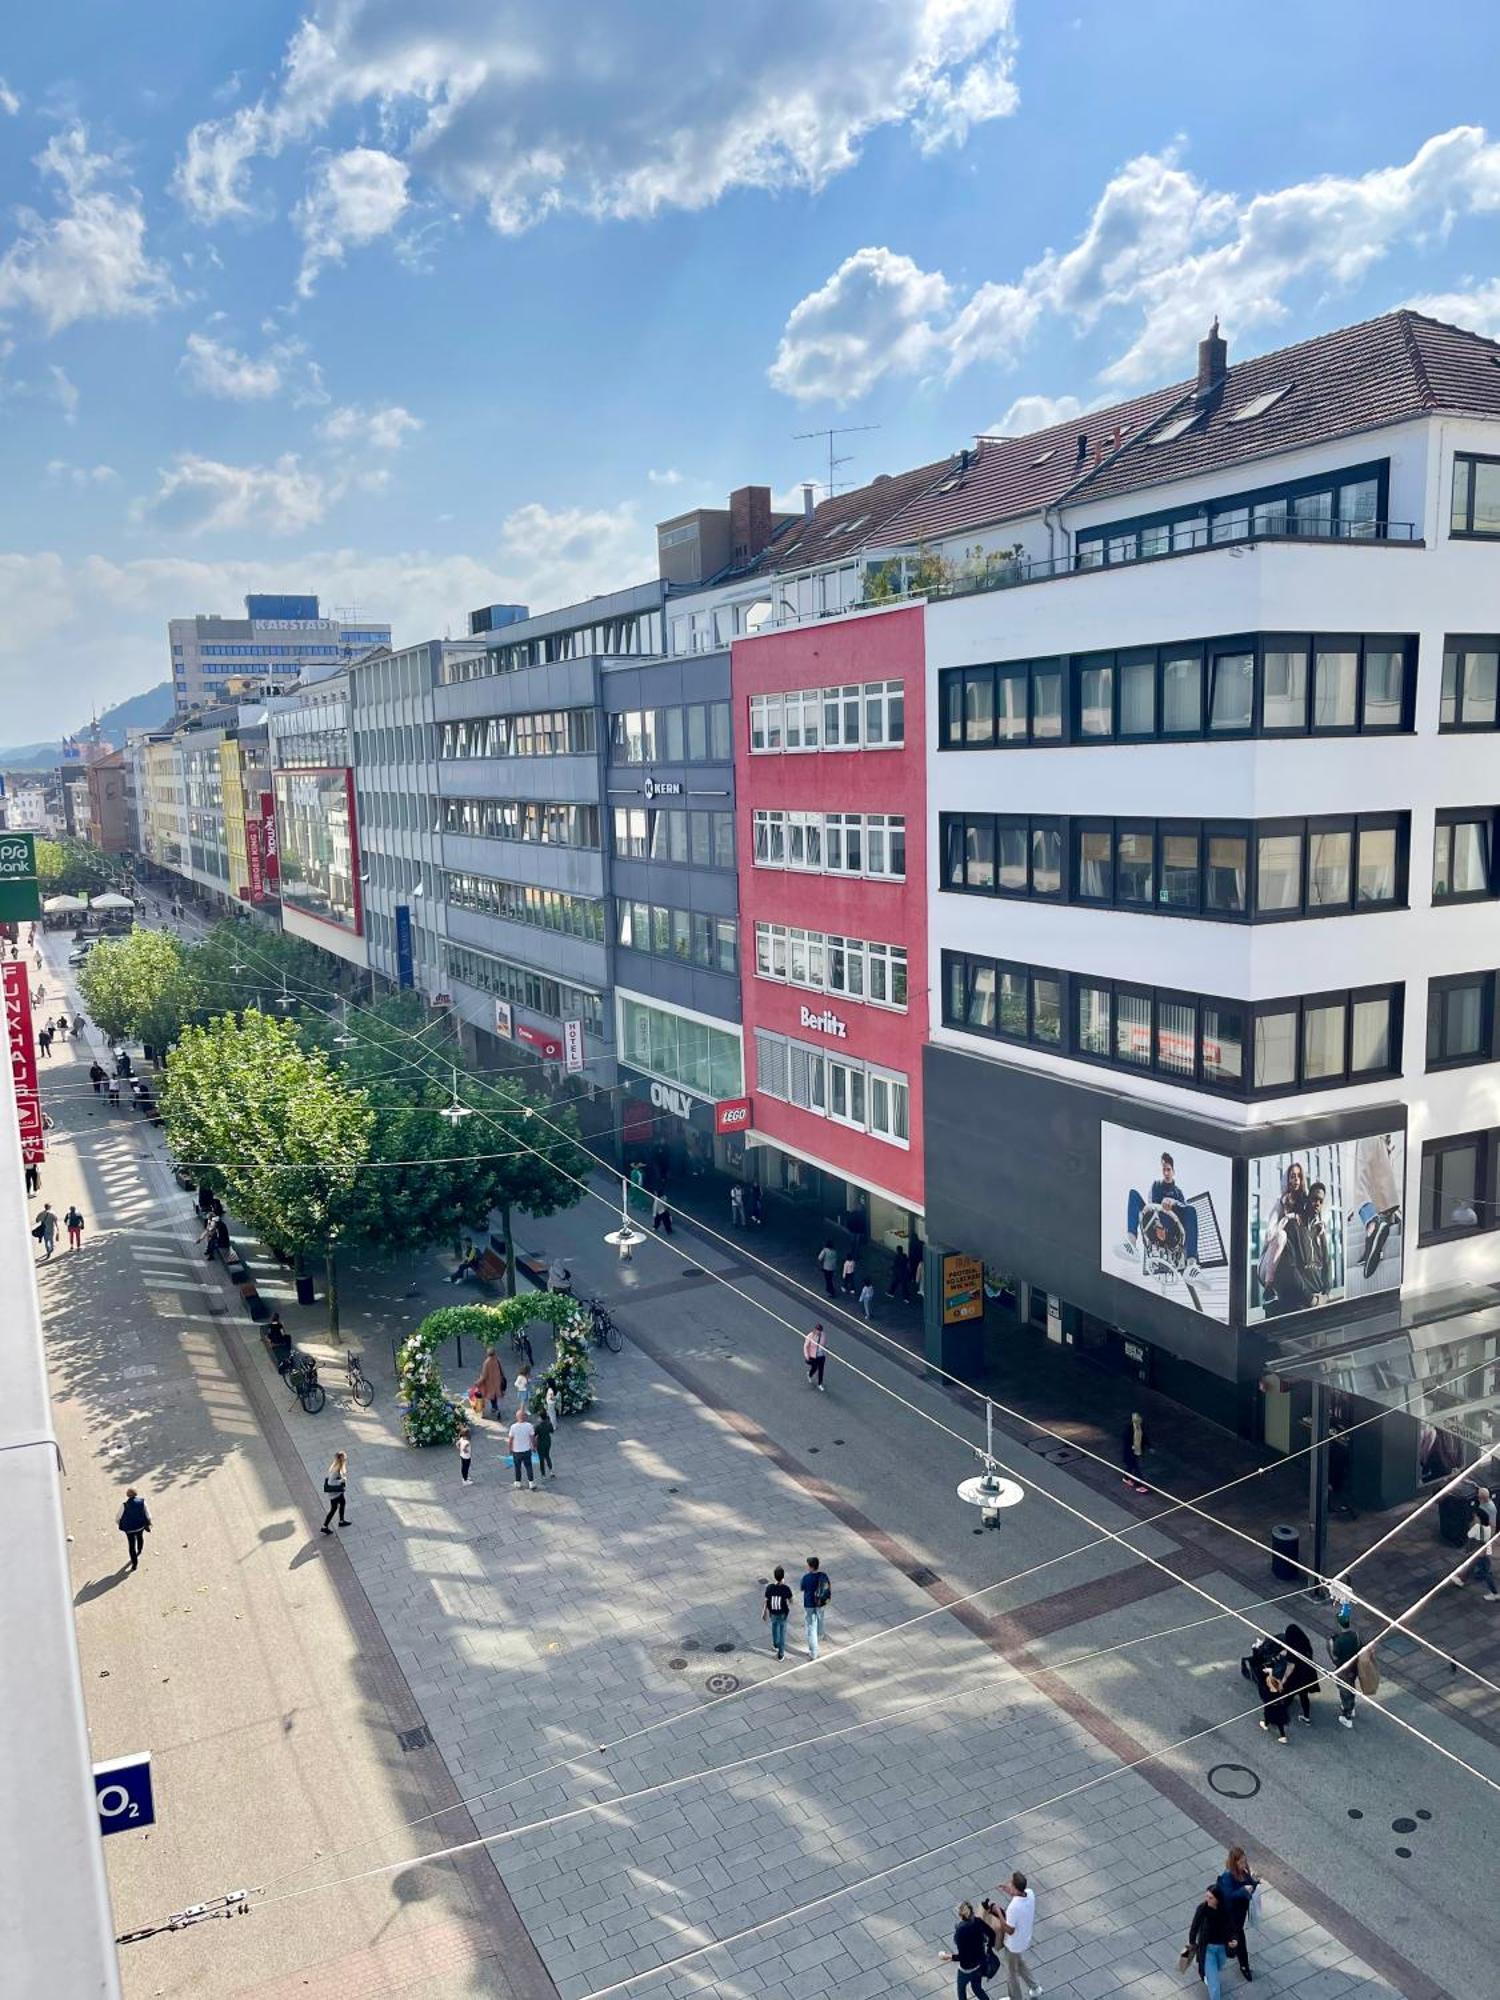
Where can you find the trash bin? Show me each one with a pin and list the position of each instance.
(1453, 1514)
(306, 1292)
(1285, 1544)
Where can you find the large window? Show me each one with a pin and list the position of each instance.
(319, 853)
(1262, 684)
(826, 963)
(519, 903)
(680, 1049)
(872, 844)
(554, 732)
(1457, 1196)
(1470, 670)
(867, 715)
(1330, 506)
(525, 987)
(1461, 1020)
(1463, 853)
(1476, 494)
(711, 943)
(1263, 1049)
(696, 733)
(673, 833)
(1234, 871)
(552, 823)
(877, 1101)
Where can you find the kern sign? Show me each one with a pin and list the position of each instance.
(20, 898)
(23, 1061)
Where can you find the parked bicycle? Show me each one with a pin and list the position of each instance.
(302, 1380)
(361, 1388)
(603, 1328)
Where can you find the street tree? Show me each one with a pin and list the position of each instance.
(137, 988)
(273, 1127)
(239, 966)
(72, 868)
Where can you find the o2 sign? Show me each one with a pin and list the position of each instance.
(122, 1789)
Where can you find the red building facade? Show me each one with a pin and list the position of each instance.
(830, 780)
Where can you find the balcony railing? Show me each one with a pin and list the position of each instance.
(931, 575)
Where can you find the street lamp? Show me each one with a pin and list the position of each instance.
(626, 1237)
(455, 1113)
(988, 1491)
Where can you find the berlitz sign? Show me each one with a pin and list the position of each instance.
(826, 1023)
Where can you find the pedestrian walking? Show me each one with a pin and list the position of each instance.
(1343, 1647)
(737, 1205)
(78, 1027)
(134, 1524)
(96, 1077)
(777, 1607)
(114, 1093)
(847, 1274)
(828, 1263)
(1301, 1680)
(757, 1212)
(1134, 1444)
(44, 1042)
(972, 1950)
(661, 1217)
(1208, 1942)
(559, 1277)
(900, 1285)
(73, 1223)
(491, 1383)
(45, 1230)
(815, 1354)
(335, 1485)
(867, 1298)
(465, 1453)
(816, 1591)
(522, 1387)
(545, 1429)
(522, 1436)
(1480, 1537)
(1016, 1923)
(33, 1177)
(1275, 1702)
(1237, 1886)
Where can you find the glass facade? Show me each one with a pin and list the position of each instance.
(681, 1050)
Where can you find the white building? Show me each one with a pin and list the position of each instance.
(24, 808)
(277, 638)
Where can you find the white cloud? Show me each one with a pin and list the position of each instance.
(526, 111)
(1035, 413)
(354, 198)
(89, 260)
(216, 369)
(64, 392)
(383, 428)
(875, 316)
(61, 473)
(670, 477)
(205, 495)
(10, 104)
(1160, 247)
(1476, 307)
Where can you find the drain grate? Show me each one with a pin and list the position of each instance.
(719, 1684)
(724, 1646)
(692, 1645)
(677, 1666)
(414, 1739)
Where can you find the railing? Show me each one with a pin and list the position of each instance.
(940, 576)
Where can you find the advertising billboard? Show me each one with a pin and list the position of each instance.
(19, 1037)
(318, 854)
(1327, 1224)
(1164, 1214)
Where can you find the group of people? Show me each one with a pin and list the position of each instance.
(746, 1207)
(1230, 1905)
(45, 1228)
(61, 1029)
(842, 1275)
(996, 1938)
(530, 1432)
(817, 1592)
(1286, 1675)
(1296, 1260)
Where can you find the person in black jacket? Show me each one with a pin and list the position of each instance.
(1208, 1942)
(973, 1943)
(134, 1524)
(1301, 1680)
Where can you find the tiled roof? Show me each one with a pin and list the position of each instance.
(841, 525)
(1009, 477)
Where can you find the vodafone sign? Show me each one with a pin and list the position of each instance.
(732, 1115)
(548, 1047)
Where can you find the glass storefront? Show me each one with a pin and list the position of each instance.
(681, 1049)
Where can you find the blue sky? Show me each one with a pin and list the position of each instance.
(424, 305)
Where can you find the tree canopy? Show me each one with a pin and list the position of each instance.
(137, 988)
(72, 868)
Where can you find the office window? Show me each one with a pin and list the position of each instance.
(1457, 1194)
(1226, 874)
(1284, 688)
(1469, 684)
(1135, 865)
(1329, 863)
(1278, 873)
(1275, 1047)
(1461, 1019)
(1461, 856)
(1093, 868)
(1182, 693)
(1231, 697)
(1476, 494)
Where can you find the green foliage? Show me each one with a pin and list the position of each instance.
(239, 966)
(429, 1416)
(272, 1127)
(136, 988)
(72, 868)
(928, 574)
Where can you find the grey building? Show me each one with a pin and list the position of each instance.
(278, 637)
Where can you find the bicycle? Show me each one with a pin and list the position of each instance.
(302, 1380)
(603, 1328)
(361, 1388)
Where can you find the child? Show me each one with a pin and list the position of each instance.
(465, 1453)
(867, 1299)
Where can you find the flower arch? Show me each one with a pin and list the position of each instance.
(429, 1416)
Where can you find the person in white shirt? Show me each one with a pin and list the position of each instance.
(522, 1437)
(1016, 1927)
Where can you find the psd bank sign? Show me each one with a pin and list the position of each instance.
(20, 897)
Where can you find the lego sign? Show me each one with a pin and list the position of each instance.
(732, 1115)
(23, 1062)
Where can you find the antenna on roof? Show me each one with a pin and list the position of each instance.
(836, 431)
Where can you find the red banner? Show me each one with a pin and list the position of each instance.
(23, 1061)
(255, 859)
(269, 850)
(548, 1047)
(732, 1114)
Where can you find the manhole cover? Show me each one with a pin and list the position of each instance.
(677, 1665)
(692, 1645)
(727, 1646)
(414, 1739)
(1422, 1813)
(1403, 1826)
(722, 1683)
(1404, 1852)
(1355, 1813)
(1234, 1781)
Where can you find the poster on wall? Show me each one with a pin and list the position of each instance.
(1327, 1224)
(1164, 1219)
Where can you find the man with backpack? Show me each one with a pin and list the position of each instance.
(816, 1591)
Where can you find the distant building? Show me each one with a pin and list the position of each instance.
(278, 636)
(108, 823)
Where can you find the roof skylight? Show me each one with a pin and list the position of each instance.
(1178, 427)
(1042, 456)
(1258, 405)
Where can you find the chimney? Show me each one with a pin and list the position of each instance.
(1083, 446)
(807, 499)
(749, 522)
(1213, 361)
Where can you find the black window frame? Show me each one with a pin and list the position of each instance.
(1469, 533)
(1451, 816)
(1230, 504)
(1487, 1144)
(1438, 990)
(1462, 644)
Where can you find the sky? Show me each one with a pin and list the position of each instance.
(427, 306)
